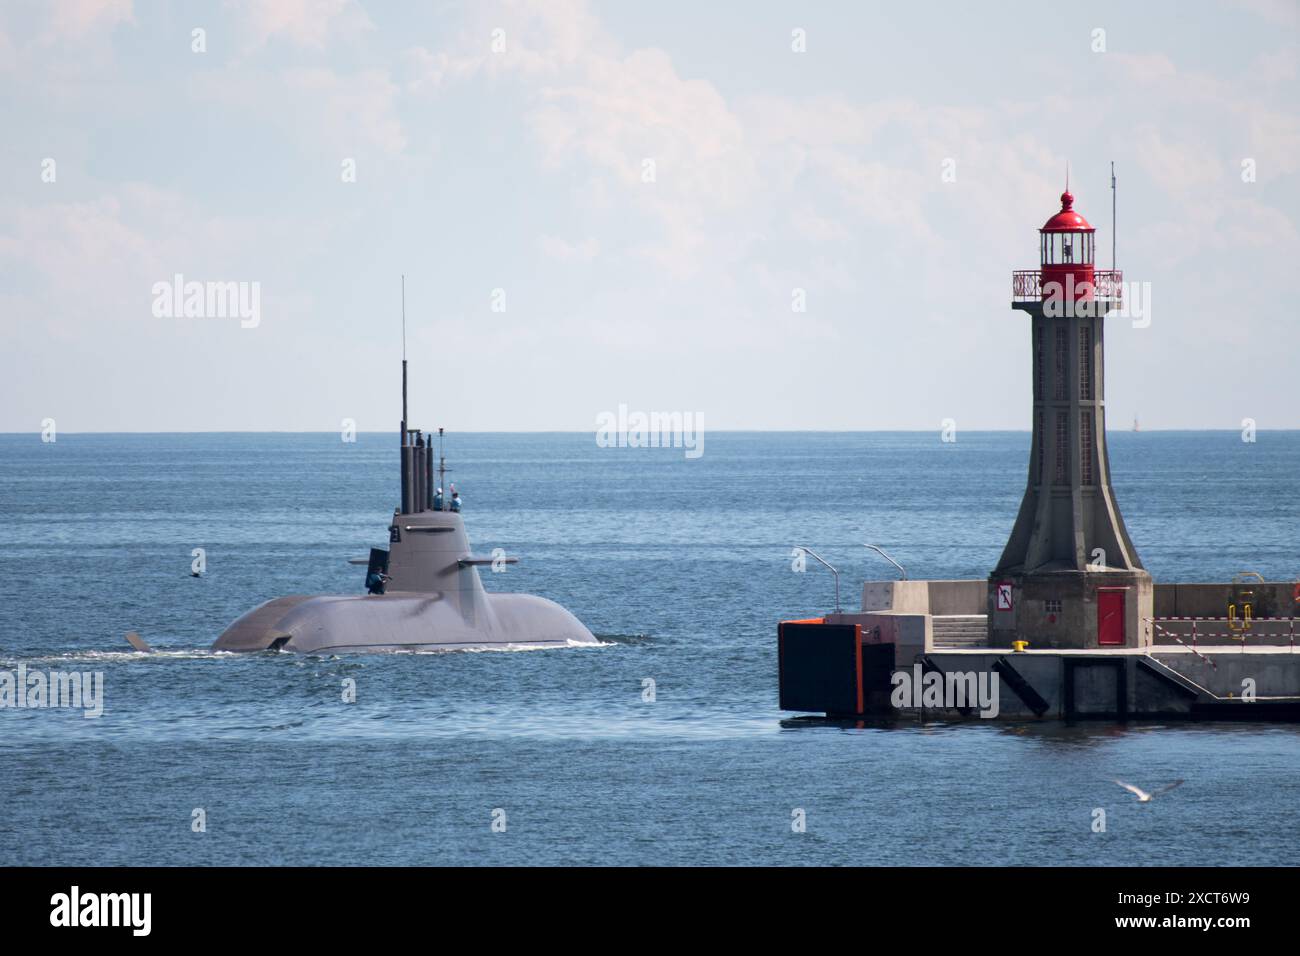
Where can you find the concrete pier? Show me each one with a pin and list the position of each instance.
(1252, 683)
(848, 664)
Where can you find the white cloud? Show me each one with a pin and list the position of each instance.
(74, 19)
(8, 53)
(1181, 169)
(1280, 12)
(304, 23)
(60, 46)
(763, 183)
(556, 247)
(809, 225)
(340, 113)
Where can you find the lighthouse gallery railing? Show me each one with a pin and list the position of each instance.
(1027, 285)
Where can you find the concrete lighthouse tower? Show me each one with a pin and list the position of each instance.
(1069, 576)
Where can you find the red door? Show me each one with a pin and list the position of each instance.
(1110, 617)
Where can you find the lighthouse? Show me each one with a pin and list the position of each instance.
(1064, 625)
(1069, 576)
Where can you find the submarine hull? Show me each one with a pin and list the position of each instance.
(403, 621)
(432, 598)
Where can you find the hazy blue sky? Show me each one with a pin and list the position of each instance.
(522, 170)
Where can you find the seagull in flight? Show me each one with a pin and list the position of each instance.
(1142, 795)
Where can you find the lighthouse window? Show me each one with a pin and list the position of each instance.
(1085, 363)
(1062, 356)
(1067, 250)
(1038, 364)
(1062, 434)
(1085, 446)
(1038, 427)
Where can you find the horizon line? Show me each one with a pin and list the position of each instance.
(575, 431)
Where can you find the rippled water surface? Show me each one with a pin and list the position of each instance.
(682, 567)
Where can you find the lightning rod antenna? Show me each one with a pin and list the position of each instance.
(404, 418)
(1113, 237)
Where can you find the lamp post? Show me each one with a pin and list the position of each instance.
(807, 550)
(881, 551)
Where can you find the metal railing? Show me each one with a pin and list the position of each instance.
(1265, 631)
(807, 550)
(1027, 285)
(881, 551)
(1191, 647)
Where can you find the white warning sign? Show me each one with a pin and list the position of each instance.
(1004, 596)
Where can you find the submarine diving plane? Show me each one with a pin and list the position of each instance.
(429, 595)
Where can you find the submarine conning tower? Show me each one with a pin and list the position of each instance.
(428, 548)
(1069, 575)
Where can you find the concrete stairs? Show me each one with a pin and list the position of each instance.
(960, 630)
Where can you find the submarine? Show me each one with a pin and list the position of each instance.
(429, 594)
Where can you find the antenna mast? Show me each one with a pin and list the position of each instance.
(1112, 215)
(410, 482)
(404, 360)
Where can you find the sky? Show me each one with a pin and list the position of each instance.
(622, 203)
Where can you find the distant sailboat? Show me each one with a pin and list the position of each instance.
(1136, 426)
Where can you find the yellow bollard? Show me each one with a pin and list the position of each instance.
(1019, 646)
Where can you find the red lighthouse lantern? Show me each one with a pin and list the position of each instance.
(1067, 248)
(1066, 244)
